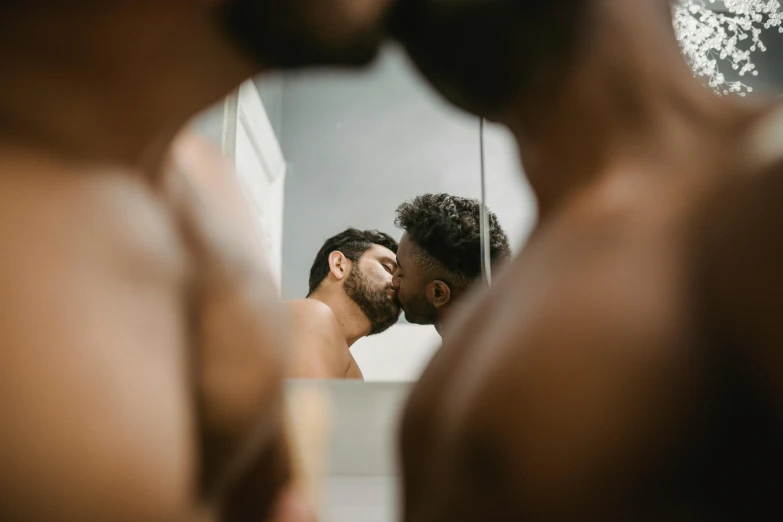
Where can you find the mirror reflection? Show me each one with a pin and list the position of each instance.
(370, 201)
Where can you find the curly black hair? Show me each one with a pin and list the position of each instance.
(353, 244)
(447, 229)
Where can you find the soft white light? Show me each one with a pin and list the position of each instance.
(707, 36)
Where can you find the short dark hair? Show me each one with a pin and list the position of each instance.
(353, 244)
(447, 229)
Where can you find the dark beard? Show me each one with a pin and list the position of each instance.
(297, 33)
(381, 311)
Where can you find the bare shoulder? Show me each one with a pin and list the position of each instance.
(313, 320)
(92, 303)
(313, 314)
(591, 357)
(591, 334)
(96, 201)
(594, 308)
(319, 349)
(240, 324)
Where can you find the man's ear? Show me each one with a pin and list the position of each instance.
(339, 265)
(438, 293)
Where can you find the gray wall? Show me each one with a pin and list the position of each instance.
(270, 88)
(209, 123)
(359, 144)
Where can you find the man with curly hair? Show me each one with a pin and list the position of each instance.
(351, 296)
(627, 365)
(439, 257)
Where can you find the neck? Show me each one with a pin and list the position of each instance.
(353, 322)
(439, 327)
(441, 318)
(112, 83)
(628, 96)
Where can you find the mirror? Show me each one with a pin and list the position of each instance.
(319, 152)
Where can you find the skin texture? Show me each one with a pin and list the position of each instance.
(96, 237)
(321, 350)
(416, 293)
(142, 342)
(622, 363)
(325, 325)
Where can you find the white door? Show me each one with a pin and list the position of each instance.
(250, 141)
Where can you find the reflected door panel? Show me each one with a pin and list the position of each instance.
(261, 169)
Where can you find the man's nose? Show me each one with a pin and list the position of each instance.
(396, 281)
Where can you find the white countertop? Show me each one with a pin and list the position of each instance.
(364, 425)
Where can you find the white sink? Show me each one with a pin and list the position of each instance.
(364, 425)
(361, 483)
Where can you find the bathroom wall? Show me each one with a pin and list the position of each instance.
(399, 354)
(270, 87)
(359, 144)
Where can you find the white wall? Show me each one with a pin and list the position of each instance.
(399, 354)
(508, 193)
